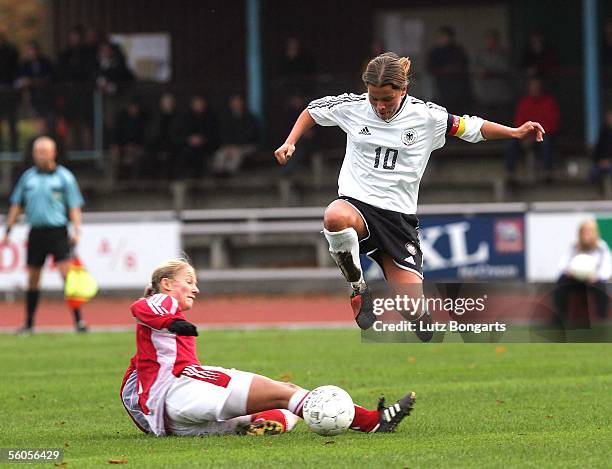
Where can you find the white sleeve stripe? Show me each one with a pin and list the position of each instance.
(159, 298)
(157, 309)
(174, 307)
(331, 105)
(155, 303)
(331, 101)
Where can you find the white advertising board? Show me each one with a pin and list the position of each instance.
(119, 255)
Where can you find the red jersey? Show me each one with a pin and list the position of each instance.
(543, 109)
(160, 357)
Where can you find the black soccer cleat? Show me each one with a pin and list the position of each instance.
(363, 308)
(391, 416)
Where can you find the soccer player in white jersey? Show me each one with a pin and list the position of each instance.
(389, 138)
(167, 391)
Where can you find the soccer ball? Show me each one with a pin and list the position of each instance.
(328, 410)
(582, 266)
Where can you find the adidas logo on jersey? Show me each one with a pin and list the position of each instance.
(365, 131)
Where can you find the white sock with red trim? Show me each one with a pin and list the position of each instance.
(297, 402)
(344, 246)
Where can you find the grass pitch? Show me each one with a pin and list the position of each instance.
(478, 405)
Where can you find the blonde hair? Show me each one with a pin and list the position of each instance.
(581, 245)
(387, 69)
(167, 269)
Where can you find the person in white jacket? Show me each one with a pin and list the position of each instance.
(585, 270)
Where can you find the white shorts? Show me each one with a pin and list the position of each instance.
(203, 397)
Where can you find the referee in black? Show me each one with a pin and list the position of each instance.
(50, 197)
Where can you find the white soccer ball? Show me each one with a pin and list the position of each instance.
(328, 410)
(582, 266)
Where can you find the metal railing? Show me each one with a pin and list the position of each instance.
(71, 110)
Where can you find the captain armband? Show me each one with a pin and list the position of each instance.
(465, 127)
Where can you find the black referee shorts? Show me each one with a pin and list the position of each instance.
(392, 233)
(45, 241)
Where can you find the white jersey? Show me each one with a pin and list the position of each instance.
(385, 160)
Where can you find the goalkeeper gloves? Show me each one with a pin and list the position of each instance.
(180, 327)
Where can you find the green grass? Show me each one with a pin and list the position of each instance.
(478, 405)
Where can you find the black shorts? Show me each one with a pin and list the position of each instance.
(45, 241)
(392, 233)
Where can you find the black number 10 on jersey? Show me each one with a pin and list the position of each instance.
(390, 154)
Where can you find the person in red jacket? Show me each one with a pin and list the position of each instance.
(167, 391)
(541, 107)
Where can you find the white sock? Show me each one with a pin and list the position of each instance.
(346, 241)
(290, 419)
(297, 401)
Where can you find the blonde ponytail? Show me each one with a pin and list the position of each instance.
(148, 291)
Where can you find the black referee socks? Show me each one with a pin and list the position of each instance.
(32, 297)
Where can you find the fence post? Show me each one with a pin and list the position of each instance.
(179, 189)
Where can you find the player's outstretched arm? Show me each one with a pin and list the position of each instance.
(303, 123)
(493, 131)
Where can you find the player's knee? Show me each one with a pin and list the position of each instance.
(338, 217)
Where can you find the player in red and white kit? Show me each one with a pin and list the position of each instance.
(166, 390)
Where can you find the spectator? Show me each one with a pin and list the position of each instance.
(201, 138)
(72, 63)
(602, 155)
(164, 141)
(297, 66)
(129, 139)
(297, 62)
(112, 78)
(35, 77)
(91, 44)
(112, 70)
(543, 108)
(76, 72)
(239, 133)
(494, 90)
(585, 270)
(448, 63)
(50, 197)
(539, 58)
(9, 63)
